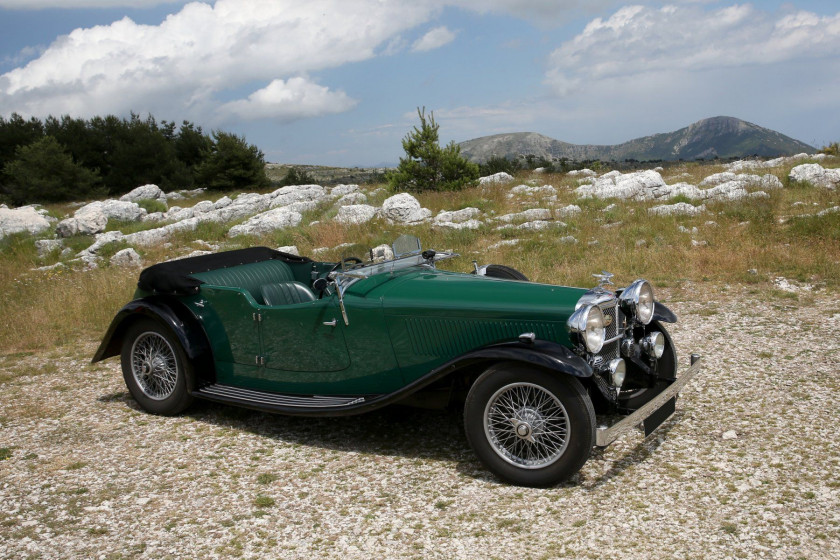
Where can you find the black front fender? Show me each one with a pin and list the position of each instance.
(541, 353)
(663, 314)
(171, 313)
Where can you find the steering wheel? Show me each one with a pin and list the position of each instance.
(354, 260)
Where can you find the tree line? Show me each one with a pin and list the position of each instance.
(67, 158)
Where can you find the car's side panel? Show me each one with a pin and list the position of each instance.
(435, 316)
(230, 323)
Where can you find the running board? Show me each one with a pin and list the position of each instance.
(279, 402)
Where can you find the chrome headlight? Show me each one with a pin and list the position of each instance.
(617, 369)
(637, 301)
(588, 322)
(654, 344)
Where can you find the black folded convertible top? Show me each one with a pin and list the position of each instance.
(173, 277)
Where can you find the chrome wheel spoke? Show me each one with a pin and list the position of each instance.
(526, 425)
(154, 366)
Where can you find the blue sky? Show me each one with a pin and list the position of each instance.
(337, 82)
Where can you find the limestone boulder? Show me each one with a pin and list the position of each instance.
(127, 258)
(285, 196)
(404, 209)
(678, 209)
(24, 219)
(355, 214)
(531, 214)
(145, 192)
(496, 179)
(277, 218)
(457, 216)
(815, 174)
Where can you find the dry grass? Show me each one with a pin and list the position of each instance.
(751, 241)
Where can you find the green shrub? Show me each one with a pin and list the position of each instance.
(427, 166)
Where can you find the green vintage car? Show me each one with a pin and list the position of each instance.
(531, 364)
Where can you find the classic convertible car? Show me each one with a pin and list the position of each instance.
(530, 363)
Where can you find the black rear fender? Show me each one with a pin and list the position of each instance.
(172, 314)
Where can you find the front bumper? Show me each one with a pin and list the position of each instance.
(605, 436)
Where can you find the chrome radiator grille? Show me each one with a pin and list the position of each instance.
(614, 331)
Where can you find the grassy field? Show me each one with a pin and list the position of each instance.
(752, 241)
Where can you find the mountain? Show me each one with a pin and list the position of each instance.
(723, 137)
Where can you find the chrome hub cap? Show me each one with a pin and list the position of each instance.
(526, 425)
(153, 365)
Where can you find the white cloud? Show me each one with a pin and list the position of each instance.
(638, 40)
(290, 100)
(434, 39)
(181, 67)
(71, 4)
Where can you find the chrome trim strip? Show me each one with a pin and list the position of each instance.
(262, 397)
(605, 436)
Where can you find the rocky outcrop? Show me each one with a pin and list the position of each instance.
(146, 192)
(497, 178)
(816, 175)
(278, 218)
(127, 258)
(355, 214)
(24, 219)
(678, 209)
(526, 216)
(404, 209)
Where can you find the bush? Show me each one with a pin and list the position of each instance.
(44, 172)
(498, 164)
(832, 149)
(296, 176)
(232, 164)
(427, 166)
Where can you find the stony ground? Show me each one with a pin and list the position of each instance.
(747, 468)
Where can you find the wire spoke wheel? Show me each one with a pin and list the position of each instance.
(154, 366)
(526, 425)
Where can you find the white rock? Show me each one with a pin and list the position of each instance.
(528, 190)
(404, 209)
(146, 192)
(290, 249)
(355, 214)
(457, 216)
(730, 190)
(58, 265)
(176, 213)
(678, 209)
(639, 185)
(730, 434)
(567, 211)
(496, 178)
(770, 181)
(100, 241)
(123, 210)
(469, 224)
(23, 219)
(351, 198)
(382, 253)
(203, 207)
(90, 219)
(278, 218)
(581, 173)
(222, 203)
(128, 258)
(832, 210)
(504, 243)
(526, 215)
(47, 246)
(759, 194)
(341, 190)
(284, 196)
(539, 225)
(815, 174)
(568, 239)
(718, 178)
(695, 243)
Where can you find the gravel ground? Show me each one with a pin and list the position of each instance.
(746, 468)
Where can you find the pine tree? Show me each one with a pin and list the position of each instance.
(232, 163)
(427, 166)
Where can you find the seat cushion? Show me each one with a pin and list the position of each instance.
(251, 277)
(286, 293)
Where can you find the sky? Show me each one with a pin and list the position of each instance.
(338, 82)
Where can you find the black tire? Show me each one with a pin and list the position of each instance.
(508, 431)
(155, 369)
(502, 271)
(633, 398)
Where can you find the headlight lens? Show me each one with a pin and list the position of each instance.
(588, 321)
(654, 344)
(637, 301)
(618, 369)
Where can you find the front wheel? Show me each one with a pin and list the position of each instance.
(156, 370)
(529, 427)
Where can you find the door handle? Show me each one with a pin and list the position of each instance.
(330, 323)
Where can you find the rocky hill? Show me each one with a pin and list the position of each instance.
(723, 137)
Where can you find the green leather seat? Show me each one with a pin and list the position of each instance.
(286, 293)
(251, 277)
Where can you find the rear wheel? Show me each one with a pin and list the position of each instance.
(529, 427)
(155, 369)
